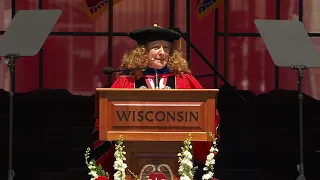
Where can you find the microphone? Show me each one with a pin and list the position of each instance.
(176, 29)
(110, 70)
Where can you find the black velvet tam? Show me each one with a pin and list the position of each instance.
(154, 33)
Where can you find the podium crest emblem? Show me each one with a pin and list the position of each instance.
(156, 172)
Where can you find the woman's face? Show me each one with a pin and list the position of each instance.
(158, 54)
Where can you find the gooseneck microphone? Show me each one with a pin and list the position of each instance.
(110, 70)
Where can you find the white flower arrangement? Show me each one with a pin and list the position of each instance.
(94, 170)
(210, 161)
(186, 169)
(119, 164)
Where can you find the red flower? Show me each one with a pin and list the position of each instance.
(102, 178)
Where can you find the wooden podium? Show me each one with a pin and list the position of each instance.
(154, 123)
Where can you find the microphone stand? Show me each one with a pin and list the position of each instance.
(209, 64)
(156, 79)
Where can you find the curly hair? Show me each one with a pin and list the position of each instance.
(138, 58)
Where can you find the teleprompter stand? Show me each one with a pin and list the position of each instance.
(25, 36)
(209, 64)
(290, 46)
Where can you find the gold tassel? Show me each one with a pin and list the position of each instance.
(180, 45)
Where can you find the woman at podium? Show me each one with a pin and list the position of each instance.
(154, 63)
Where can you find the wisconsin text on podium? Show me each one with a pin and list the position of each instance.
(160, 116)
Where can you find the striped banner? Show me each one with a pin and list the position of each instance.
(95, 8)
(205, 7)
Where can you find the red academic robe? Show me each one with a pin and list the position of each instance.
(184, 81)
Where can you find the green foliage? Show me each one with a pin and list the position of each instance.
(92, 165)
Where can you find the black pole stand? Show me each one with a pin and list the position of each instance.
(209, 64)
(300, 97)
(289, 45)
(12, 60)
(24, 37)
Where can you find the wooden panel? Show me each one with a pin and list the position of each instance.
(156, 136)
(156, 115)
(140, 154)
(145, 94)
